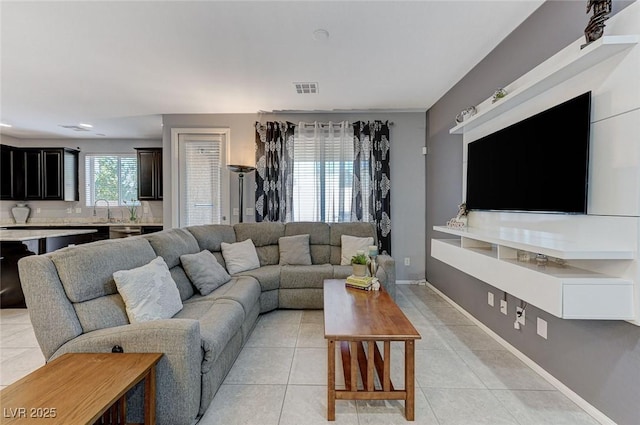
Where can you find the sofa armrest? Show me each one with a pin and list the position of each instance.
(387, 273)
(178, 374)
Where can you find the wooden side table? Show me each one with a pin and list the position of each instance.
(79, 388)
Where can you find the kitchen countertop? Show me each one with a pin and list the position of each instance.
(79, 224)
(27, 235)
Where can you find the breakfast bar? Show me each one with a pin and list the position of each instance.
(15, 244)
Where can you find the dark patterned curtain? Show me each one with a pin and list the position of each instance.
(371, 162)
(274, 171)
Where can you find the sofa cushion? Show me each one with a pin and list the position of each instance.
(149, 292)
(305, 276)
(171, 244)
(183, 283)
(342, 272)
(204, 271)
(350, 245)
(219, 321)
(86, 271)
(210, 236)
(245, 290)
(319, 238)
(101, 313)
(294, 250)
(267, 276)
(240, 256)
(265, 238)
(358, 229)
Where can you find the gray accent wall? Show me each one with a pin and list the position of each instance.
(598, 360)
(407, 170)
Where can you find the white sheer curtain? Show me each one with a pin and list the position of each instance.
(323, 157)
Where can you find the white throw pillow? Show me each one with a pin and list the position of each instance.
(240, 256)
(351, 244)
(149, 292)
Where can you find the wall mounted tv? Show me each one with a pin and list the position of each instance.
(539, 164)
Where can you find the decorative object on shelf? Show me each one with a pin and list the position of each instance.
(523, 256)
(133, 210)
(466, 114)
(498, 94)
(460, 220)
(241, 170)
(541, 260)
(373, 253)
(375, 285)
(20, 213)
(595, 27)
(359, 264)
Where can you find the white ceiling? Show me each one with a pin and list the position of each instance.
(121, 65)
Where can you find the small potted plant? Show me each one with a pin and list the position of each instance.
(359, 264)
(133, 210)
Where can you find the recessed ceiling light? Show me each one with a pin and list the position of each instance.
(320, 34)
(85, 125)
(5, 125)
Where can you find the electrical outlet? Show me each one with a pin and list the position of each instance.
(38, 210)
(490, 299)
(503, 307)
(248, 211)
(520, 315)
(407, 261)
(236, 211)
(542, 328)
(78, 210)
(69, 210)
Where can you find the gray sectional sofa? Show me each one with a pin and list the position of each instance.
(74, 304)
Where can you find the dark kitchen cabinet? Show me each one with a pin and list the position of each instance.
(7, 183)
(149, 174)
(39, 174)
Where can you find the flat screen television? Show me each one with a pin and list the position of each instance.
(539, 164)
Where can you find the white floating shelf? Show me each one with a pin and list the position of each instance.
(540, 79)
(539, 242)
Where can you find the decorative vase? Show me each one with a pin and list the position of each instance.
(359, 269)
(20, 213)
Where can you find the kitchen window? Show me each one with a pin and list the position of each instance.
(112, 177)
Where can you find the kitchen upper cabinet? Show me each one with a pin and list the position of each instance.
(39, 174)
(149, 174)
(7, 184)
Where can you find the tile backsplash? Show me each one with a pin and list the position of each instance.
(47, 212)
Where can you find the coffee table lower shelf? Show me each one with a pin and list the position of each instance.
(369, 363)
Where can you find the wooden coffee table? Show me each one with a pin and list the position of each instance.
(78, 388)
(353, 316)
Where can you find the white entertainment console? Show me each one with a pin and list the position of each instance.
(593, 271)
(563, 290)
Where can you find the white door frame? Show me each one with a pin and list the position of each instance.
(225, 134)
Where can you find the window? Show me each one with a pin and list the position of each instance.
(112, 177)
(323, 158)
(202, 171)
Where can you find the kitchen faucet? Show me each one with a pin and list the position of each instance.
(108, 209)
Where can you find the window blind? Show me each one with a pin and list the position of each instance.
(201, 180)
(113, 177)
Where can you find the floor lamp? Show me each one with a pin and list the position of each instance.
(241, 170)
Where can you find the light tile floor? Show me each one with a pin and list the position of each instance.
(463, 376)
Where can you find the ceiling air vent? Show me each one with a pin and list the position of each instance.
(306, 88)
(74, 127)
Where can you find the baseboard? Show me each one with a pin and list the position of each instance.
(404, 282)
(582, 403)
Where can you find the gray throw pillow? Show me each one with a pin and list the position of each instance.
(204, 271)
(294, 250)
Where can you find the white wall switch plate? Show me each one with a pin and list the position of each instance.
(407, 261)
(69, 210)
(236, 211)
(248, 211)
(542, 328)
(490, 299)
(38, 210)
(78, 210)
(503, 307)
